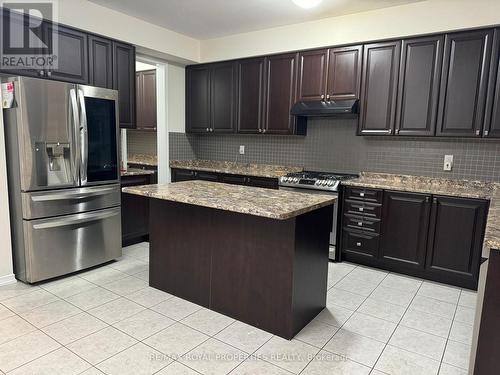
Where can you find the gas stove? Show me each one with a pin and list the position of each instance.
(315, 180)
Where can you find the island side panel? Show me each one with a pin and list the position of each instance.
(310, 276)
(180, 250)
(252, 271)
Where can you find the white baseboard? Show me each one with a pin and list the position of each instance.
(7, 279)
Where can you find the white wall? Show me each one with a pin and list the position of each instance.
(411, 19)
(176, 98)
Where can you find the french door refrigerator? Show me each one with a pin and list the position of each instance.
(63, 174)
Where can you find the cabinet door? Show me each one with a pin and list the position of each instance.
(455, 239)
(72, 60)
(124, 82)
(463, 83)
(312, 75)
(419, 77)
(148, 100)
(250, 98)
(135, 211)
(222, 97)
(138, 101)
(344, 73)
(405, 223)
(179, 175)
(100, 62)
(281, 71)
(379, 88)
(492, 115)
(198, 99)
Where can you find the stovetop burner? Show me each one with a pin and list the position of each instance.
(315, 180)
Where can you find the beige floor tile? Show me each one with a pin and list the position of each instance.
(402, 283)
(5, 312)
(60, 362)
(207, 321)
(176, 368)
(92, 371)
(439, 291)
(101, 345)
(136, 360)
(358, 348)
(393, 296)
(344, 299)
(426, 322)
(149, 297)
(461, 332)
(13, 327)
(130, 266)
(24, 349)
(316, 333)
(51, 313)
(92, 298)
(254, 366)
(337, 271)
(176, 308)
(16, 289)
(418, 342)
(144, 324)
(69, 330)
(291, 355)
(143, 275)
(136, 251)
(382, 310)
(457, 354)
(115, 311)
(68, 286)
(244, 337)
(104, 275)
(370, 275)
(451, 370)
(370, 326)
(176, 340)
(213, 357)
(355, 285)
(126, 286)
(468, 299)
(395, 361)
(433, 306)
(465, 315)
(334, 315)
(29, 301)
(328, 363)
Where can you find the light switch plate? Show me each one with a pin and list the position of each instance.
(448, 163)
(242, 150)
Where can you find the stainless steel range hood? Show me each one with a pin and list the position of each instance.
(321, 108)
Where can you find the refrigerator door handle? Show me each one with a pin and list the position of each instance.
(74, 136)
(84, 140)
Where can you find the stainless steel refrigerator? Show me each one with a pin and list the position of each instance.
(63, 173)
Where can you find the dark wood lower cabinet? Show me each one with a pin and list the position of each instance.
(179, 175)
(433, 237)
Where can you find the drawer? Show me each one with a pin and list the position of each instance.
(362, 223)
(367, 195)
(233, 179)
(179, 175)
(362, 208)
(207, 176)
(360, 242)
(263, 182)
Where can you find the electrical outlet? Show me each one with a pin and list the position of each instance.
(448, 163)
(242, 150)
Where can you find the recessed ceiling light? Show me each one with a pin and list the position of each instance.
(307, 4)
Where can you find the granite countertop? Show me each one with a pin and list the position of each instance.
(150, 160)
(456, 188)
(136, 172)
(256, 170)
(274, 204)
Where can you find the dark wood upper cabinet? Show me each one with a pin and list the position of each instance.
(281, 82)
(405, 223)
(198, 99)
(344, 73)
(100, 62)
(124, 82)
(418, 92)
(222, 97)
(455, 239)
(379, 88)
(146, 99)
(463, 83)
(492, 116)
(250, 97)
(312, 75)
(72, 58)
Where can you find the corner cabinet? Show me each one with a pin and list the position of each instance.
(491, 127)
(379, 88)
(124, 82)
(464, 82)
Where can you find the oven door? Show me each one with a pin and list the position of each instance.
(98, 135)
(333, 232)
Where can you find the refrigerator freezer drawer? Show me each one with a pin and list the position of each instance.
(43, 204)
(61, 245)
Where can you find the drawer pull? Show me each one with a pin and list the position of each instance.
(361, 194)
(361, 209)
(358, 244)
(360, 223)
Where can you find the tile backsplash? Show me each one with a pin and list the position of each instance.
(332, 145)
(141, 142)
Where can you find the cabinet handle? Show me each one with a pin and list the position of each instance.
(263, 130)
(211, 129)
(328, 97)
(427, 199)
(478, 132)
(322, 98)
(361, 209)
(361, 194)
(389, 131)
(360, 223)
(435, 200)
(208, 129)
(358, 244)
(486, 132)
(42, 73)
(397, 131)
(49, 73)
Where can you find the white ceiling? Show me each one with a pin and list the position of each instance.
(205, 19)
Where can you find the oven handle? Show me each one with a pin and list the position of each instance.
(309, 191)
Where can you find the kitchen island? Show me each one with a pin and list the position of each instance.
(257, 255)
